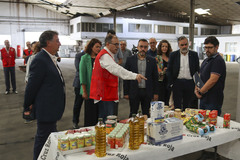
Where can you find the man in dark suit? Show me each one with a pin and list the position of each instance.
(182, 65)
(145, 91)
(45, 90)
(78, 97)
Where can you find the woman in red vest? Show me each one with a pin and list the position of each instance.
(8, 56)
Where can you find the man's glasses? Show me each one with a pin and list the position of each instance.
(115, 44)
(183, 44)
(208, 47)
(143, 46)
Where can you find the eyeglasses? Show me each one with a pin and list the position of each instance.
(208, 47)
(115, 44)
(143, 46)
(184, 44)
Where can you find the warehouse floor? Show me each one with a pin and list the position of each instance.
(16, 138)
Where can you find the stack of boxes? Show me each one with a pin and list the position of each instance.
(162, 130)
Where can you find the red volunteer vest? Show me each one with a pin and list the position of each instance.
(104, 85)
(27, 54)
(8, 58)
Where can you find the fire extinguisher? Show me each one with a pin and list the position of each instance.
(18, 51)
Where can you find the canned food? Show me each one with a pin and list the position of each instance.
(112, 117)
(110, 125)
(88, 140)
(80, 141)
(64, 143)
(226, 120)
(72, 142)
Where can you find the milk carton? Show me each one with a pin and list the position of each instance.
(169, 130)
(157, 111)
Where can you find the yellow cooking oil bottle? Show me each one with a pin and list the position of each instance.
(141, 127)
(134, 133)
(100, 138)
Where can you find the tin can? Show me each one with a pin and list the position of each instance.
(88, 140)
(80, 141)
(110, 125)
(226, 120)
(203, 112)
(213, 117)
(72, 142)
(112, 117)
(64, 143)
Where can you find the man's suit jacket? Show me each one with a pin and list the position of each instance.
(131, 86)
(76, 81)
(45, 89)
(174, 65)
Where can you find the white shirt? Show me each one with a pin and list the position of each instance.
(54, 59)
(184, 71)
(30, 59)
(107, 62)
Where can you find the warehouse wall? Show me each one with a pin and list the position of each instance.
(16, 19)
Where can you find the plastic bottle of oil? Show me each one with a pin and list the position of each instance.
(100, 147)
(134, 133)
(141, 127)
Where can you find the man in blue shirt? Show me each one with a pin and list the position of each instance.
(213, 75)
(153, 49)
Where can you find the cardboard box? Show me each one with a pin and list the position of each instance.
(170, 130)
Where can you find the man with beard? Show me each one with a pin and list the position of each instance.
(182, 65)
(145, 91)
(213, 75)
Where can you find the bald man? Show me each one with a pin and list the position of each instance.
(153, 49)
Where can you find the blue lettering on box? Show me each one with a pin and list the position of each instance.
(163, 129)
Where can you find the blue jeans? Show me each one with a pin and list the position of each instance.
(211, 107)
(105, 108)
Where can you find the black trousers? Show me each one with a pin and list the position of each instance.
(142, 98)
(9, 72)
(91, 113)
(77, 105)
(163, 92)
(44, 129)
(183, 91)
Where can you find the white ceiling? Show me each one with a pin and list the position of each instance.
(224, 12)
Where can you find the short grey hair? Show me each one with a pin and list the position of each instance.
(109, 38)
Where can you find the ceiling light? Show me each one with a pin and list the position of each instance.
(135, 7)
(201, 11)
(57, 1)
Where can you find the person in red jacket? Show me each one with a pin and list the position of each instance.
(104, 82)
(8, 55)
(27, 52)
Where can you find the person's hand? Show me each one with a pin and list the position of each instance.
(27, 113)
(196, 91)
(155, 97)
(140, 77)
(84, 95)
(126, 96)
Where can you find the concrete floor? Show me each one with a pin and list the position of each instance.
(16, 138)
